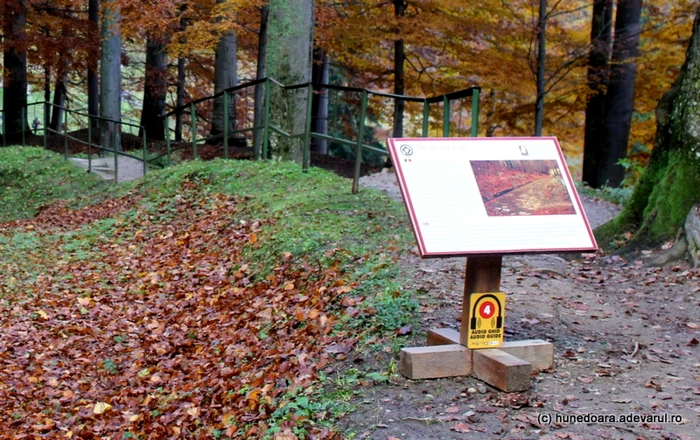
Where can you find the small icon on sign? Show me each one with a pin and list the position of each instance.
(406, 150)
(523, 150)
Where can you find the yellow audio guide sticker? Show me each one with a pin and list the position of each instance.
(487, 313)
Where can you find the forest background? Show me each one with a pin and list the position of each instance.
(545, 67)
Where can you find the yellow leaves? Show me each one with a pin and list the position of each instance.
(101, 408)
(42, 314)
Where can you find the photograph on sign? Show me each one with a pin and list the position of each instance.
(522, 187)
(486, 318)
(468, 196)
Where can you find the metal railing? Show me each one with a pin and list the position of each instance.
(267, 128)
(243, 95)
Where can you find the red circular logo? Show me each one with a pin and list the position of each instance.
(487, 309)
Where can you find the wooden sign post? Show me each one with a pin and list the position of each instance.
(483, 198)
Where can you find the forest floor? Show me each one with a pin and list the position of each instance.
(625, 336)
(626, 345)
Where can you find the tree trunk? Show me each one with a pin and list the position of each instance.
(541, 60)
(668, 187)
(155, 87)
(399, 88)
(92, 79)
(598, 71)
(225, 77)
(15, 63)
(619, 99)
(260, 88)
(59, 101)
(180, 92)
(110, 76)
(320, 104)
(289, 60)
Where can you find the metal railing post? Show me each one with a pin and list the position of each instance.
(426, 117)
(65, 143)
(89, 146)
(167, 138)
(475, 112)
(46, 125)
(23, 115)
(114, 151)
(145, 151)
(226, 116)
(266, 124)
(193, 125)
(445, 117)
(307, 133)
(358, 148)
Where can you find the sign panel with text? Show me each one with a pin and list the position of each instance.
(470, 196)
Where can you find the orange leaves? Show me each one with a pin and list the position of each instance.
(161, 330)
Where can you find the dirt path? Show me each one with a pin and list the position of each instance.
(626, 345)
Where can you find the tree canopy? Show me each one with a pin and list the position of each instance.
(446, 45)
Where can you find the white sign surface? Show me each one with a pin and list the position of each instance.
(468, 196)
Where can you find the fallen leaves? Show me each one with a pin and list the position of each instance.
(161, 332)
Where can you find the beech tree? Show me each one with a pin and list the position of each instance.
(15, 64)
(619, 99)
(155, 87)
(225, 77)
(598, 65)
(289, 60)
(668, 187)
(110, 76)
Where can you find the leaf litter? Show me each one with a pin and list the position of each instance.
(164, 330)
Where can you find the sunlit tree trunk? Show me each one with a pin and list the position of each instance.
(15, 64)
(598, 72)
(225, 77)
(289, 60)
(399, 88)
(180, 89)
(92, 79)
(320, 104)
(668, 187)
(541, 64)
(260, 88)
(155, 87)
(110, 76)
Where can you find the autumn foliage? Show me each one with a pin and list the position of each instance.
(161, 328)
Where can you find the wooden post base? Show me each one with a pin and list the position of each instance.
(507, 368)
(436, 361)
(501, 370)
(539, 353)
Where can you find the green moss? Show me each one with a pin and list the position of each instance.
(660, 203)
(672, 197)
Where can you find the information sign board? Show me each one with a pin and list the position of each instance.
(487, 314)
(477, 196)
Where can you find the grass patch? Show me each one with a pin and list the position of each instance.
(31, 177)
(618, 196)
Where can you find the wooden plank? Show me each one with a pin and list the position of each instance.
(538, 353)
(435, 361)
(443, 336)
(501, 370)
(483, 276)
